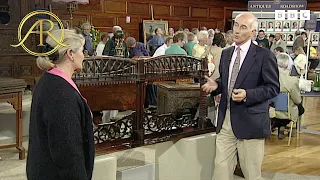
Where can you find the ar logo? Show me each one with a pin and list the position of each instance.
(40, 32)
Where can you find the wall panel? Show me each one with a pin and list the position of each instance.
(208, 24)
(188, 13)
(161, 10)
(102, 21)
(134, 22)
(78, 19)
(190, 24)
(115, 7)
(180, 11)
(216, 13)
(93, 6)
(138, 8)
(199, 12)
(174, 23)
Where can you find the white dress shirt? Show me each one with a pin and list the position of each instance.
(160, 51)
(244, 48)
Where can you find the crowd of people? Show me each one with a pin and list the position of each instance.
(246, 71)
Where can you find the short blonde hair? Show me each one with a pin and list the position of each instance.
(73, 40)
(202, 34)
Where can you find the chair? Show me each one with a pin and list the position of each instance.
(281, 103)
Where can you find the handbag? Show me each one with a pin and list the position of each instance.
(304, 85)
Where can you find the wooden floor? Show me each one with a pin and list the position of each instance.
(303, 156)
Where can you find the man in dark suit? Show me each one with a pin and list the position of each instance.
(249, 78)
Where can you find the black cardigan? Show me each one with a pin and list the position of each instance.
(61, 144)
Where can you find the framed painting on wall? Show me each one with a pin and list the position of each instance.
(149, 27)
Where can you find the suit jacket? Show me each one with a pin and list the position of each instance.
(259, 76)
(290, 85)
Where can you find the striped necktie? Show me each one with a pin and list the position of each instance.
(234, 74)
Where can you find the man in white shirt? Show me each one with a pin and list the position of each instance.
(102, 43)
(162, 49)
(249, 78)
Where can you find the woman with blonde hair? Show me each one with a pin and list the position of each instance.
(61, 144)
(300, 61)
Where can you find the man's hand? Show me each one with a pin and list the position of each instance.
(239, 95)
(210, 86)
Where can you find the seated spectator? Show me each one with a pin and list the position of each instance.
(289, 85)
(162, 49)
(313, 58)
(179, 39)
(136, 48)
(300, 61)
(200, 48)
(279, 50)
(104, 39)
(191, 42)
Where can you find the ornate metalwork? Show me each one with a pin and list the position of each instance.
(140, 127)
(120, 129)
(166, 122)
(171, 66)
(107, 70)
